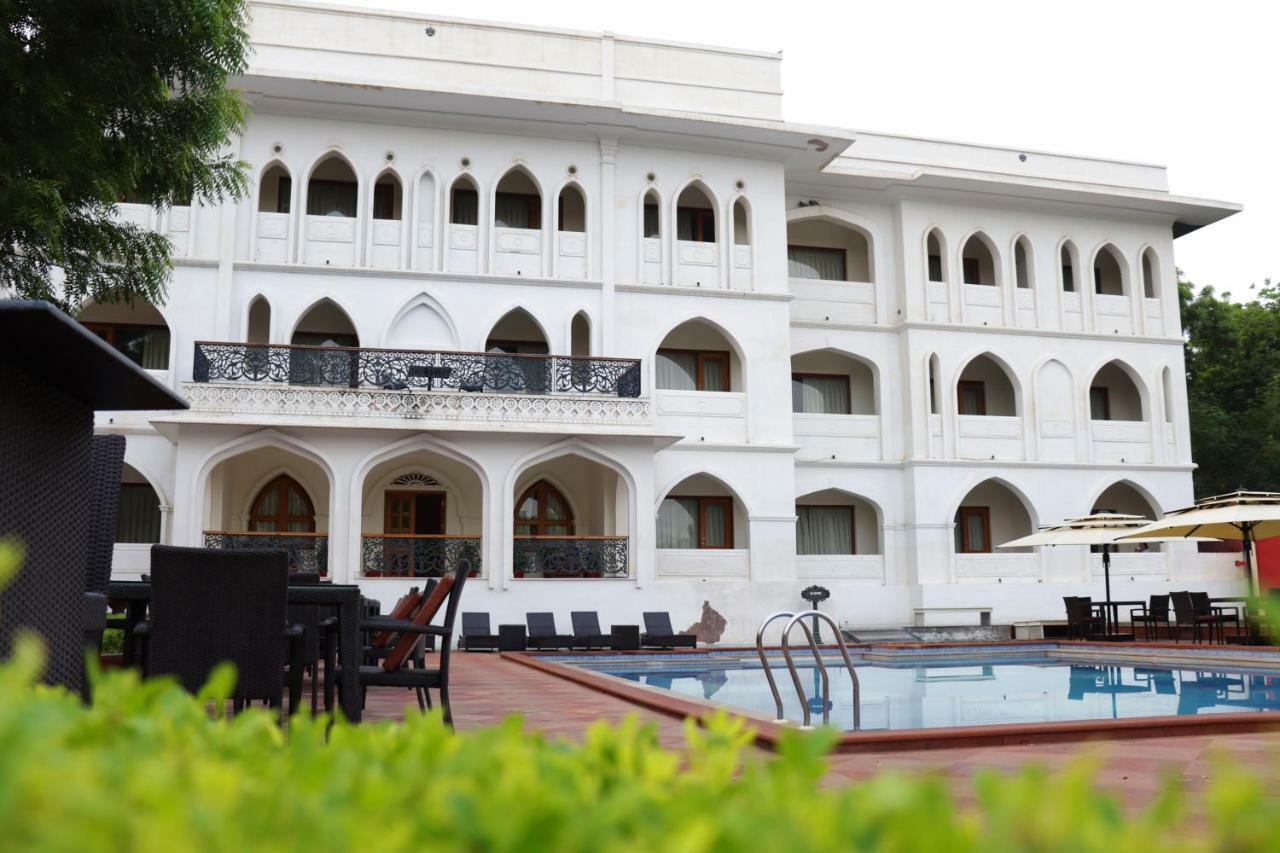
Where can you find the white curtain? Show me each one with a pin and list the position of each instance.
(331, 198)
(716, 525)
(820, 395)
(678, 523)
(714, 376)
(825, 264)
(677, 371)
(824, 530)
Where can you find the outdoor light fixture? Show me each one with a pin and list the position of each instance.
(430, 31)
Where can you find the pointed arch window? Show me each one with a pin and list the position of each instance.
(282, 506)
(543, 511)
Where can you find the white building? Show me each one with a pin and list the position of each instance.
(779, 354)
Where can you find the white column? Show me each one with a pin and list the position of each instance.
(605, 251)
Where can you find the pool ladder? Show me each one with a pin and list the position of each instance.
(798, 619)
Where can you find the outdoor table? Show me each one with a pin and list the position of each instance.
(626, 638)
(344, 598)
(511, 638)
(1112, 611)
(429, 372)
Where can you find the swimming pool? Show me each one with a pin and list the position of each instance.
(914, 689)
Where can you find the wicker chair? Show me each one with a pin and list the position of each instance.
(106, 464)
(1152, 616)
(1184, 613)
(1084, 618)
(210, 605)
(392, 672)
(1223, 615)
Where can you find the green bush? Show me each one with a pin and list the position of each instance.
(147, 767)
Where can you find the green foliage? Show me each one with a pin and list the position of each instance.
(146, 768)
(106, 100)
(1233, 388)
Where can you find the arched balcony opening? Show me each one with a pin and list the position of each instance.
(985, 389)
(463, 246)
(834, 405)
(572, 520)
(517, 224)
(510, 368)
(271, 229)
(701, 514)
(696, 356)
(138, 520)
(270, 497)
(1166, 382)
(935, 256)
(387, 227)
(1114, 395)
(1067, 262)
(1069, 275)
(1108, 274)
(325, 353)
(835, 523)
(421, 513)
(580, 336)
(1123, 498)
(828, 250)
(137, 331)
(697, 252)
(258, 329)
(333, 203)
(978, 261)
(741, 257)
(571, 228)
(1150, 274)
(1023, 272)
(980, 275)
(990, 514)
(651, 238)
(517, 332)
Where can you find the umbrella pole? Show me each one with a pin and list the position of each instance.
(1249, 564)
(1106, 574)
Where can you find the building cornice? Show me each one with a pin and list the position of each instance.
(929, 325)
(420, 275)
(721, 293)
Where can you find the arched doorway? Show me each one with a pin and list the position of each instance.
(571, 520)
(990, 514)
(543, 511)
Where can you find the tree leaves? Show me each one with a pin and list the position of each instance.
(108, 99)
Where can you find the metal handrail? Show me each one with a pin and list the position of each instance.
(764, 661)
(798, 619)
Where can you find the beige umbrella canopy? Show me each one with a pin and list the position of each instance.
(1240, 516)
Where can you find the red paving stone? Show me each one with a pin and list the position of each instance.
(487, 688)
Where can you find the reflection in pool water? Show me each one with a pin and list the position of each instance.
(914, 696)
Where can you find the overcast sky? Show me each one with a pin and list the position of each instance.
(1189, 85)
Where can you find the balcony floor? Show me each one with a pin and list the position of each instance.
(486, 688)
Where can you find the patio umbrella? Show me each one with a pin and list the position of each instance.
(1240, 516)
(1100, 528)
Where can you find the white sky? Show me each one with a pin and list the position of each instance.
(1189, 85)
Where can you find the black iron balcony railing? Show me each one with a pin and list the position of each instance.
(308, 552)
(402, 555)
(570, 556)
(402, 370)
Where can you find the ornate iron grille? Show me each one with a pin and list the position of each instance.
(571, 557)
(400, 370)
(422, 556)
(308, 552)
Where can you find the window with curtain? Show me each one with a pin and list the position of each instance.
(517, 210)
(284, 190)
(973, 530)
(824, 530)
(815, 262)
(1068, 278)
(282, 506)
(138, 518)
(543, 511)
(145, 346)
(384, 201)
(935, 268)
(331, 198)
(464, 206)
(695, 224)
(972, 398)
(692, 370)
(695, 522)
(651, 221)
(818, 394)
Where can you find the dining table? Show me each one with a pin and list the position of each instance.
(343, 599)
(1112, 611)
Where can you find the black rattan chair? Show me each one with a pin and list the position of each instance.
(542, 632)
(1084, 618)
(1152, 616)
(105, 467)
(210, 605)
(475, 633)
(586, 631)
(393, 673)
(1224, 615)
(1185, 615)
(659, 634)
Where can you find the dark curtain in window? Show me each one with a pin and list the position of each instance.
(139, 516)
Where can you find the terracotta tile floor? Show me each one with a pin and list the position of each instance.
(487, 688)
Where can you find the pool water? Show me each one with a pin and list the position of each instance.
(923, 694)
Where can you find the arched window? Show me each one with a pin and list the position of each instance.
(935, 256)
(741, 224)
(1150, 270)
(464, 202)
(829, 250)
(138, 517)
(1114, 395)
(652, 215)
(580, 336)
(543, 511)
(137, 331)
(978, 261)
(571, 211)
(986, 388)
(259, 331)
(274, 190)
(518, 201)
(332, 189)
(388, 198)
(282, 506)
(695, 216)
(1022, 271)
(1068, 261)
(991, 513)
(1108, 275)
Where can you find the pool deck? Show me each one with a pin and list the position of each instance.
(486, 688)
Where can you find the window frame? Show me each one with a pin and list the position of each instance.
(968, 264)
(107, 332)
(387, 188)
(281, 483)
(853, 528)
(389, 527)
(843, 253)
(848, 409)
(702, 217)
(985, 513)
(701, 357)
(541, 487)
(532, 208)
(700, 534)
(970, 384)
